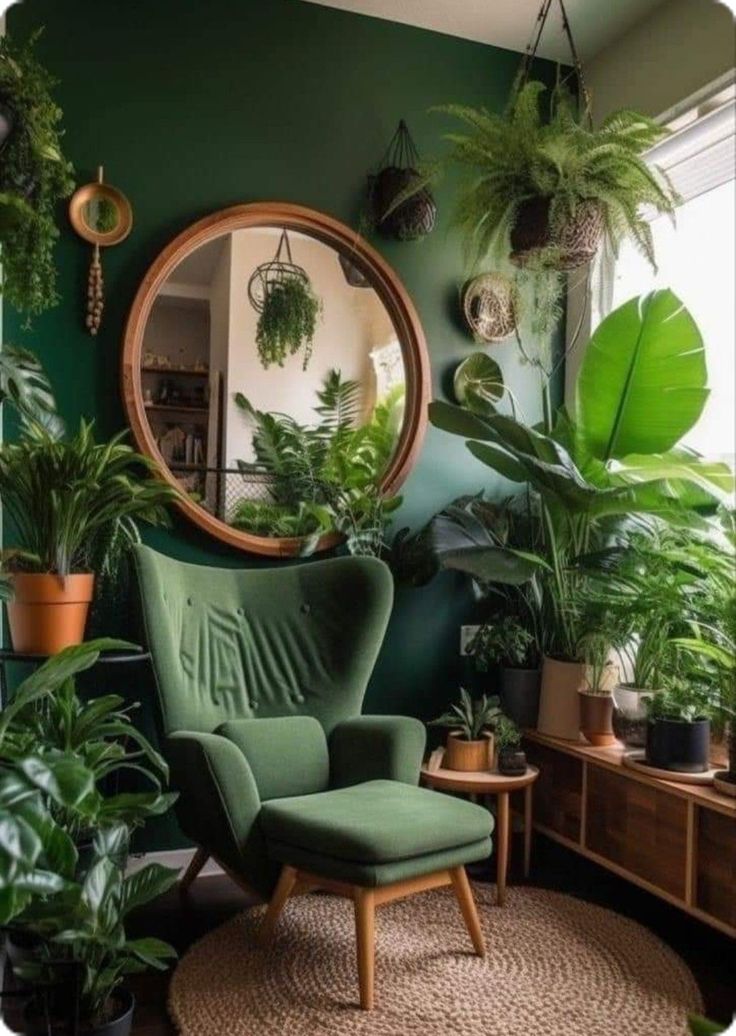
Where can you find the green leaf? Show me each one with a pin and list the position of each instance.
(499, 460)
(150, 951)
(459, 421)
(146, 884)
(700, 1026)
(64, 779)
(494, 564)
(685, 470)
(641, 385)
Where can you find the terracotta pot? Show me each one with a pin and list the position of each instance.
(596, 718)
(48, 613)
(468, 756)
(559, 700)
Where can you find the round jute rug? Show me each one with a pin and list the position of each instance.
(555, 966)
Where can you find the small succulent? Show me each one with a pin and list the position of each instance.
(471, 717)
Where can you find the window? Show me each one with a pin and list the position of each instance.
(696, 258)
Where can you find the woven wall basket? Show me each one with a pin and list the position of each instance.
(490, 306)
(576, 242)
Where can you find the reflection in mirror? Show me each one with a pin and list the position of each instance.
(100, 214)
(274, 383)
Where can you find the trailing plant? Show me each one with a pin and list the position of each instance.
(503, 641)
(75, 503)
(34, 177)
(325, 477)
(287, 322)
(470, 717)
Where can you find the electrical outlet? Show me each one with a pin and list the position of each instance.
(466, 635)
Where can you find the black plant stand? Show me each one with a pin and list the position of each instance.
(117, 657)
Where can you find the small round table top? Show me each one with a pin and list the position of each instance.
(478, 782)
(114, 656)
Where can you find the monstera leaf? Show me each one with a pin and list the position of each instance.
(641, 385)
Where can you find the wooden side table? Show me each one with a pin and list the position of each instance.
(488, 782)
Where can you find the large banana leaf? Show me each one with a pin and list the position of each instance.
(641, 384)
(696, 481)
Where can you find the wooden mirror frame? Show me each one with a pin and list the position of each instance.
(383, 279)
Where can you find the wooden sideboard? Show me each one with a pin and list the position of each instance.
(678, 841)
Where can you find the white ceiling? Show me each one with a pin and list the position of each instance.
(509, 23)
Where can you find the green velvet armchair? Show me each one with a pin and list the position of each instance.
(261, 676)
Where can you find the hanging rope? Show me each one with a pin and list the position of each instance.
(532, 47)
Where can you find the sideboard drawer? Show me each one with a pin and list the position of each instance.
(638, 827)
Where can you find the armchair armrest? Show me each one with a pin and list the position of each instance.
(369, 748)
(219, 803)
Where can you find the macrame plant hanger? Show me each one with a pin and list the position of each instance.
(531, 52)
(282, 267)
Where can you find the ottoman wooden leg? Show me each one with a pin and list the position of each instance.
(284, 888)
(365, 912)
(464, 895)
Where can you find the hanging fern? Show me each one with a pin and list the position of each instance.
(287, 322)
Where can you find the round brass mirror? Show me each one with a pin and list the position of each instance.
(261, 341)
(100, 214)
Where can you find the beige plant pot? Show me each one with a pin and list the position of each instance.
(559, 699)
(468, 756)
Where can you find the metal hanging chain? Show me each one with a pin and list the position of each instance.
(533, 45)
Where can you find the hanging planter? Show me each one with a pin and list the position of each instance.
(490, 304)
(400, 204)
(536, 242)
(543, 185)
(283, 295)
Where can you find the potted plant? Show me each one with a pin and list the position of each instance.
(470, 741)
(596, 700)
(546, 190)
(711, 644)
(288, 321)
(74, 504)
(613, 455)
(678, 730)
(507, 647)
(34, 176)
(71, 909)
(83, 933)
(511, 759)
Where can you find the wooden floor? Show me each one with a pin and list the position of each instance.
(214, 899)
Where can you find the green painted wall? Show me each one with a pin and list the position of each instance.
(193, 105)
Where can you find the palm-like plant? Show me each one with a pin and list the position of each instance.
(75, 503)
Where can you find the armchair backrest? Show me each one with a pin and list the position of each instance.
(296, 640)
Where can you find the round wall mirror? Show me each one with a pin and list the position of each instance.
(272, 358)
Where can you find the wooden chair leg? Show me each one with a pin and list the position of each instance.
(465, 898)
(196, 864)
(284, 888)
(365, 932)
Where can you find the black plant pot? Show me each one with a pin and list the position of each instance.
(519, 694)
(120, 1024)
(511, 762)
(678, 745)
